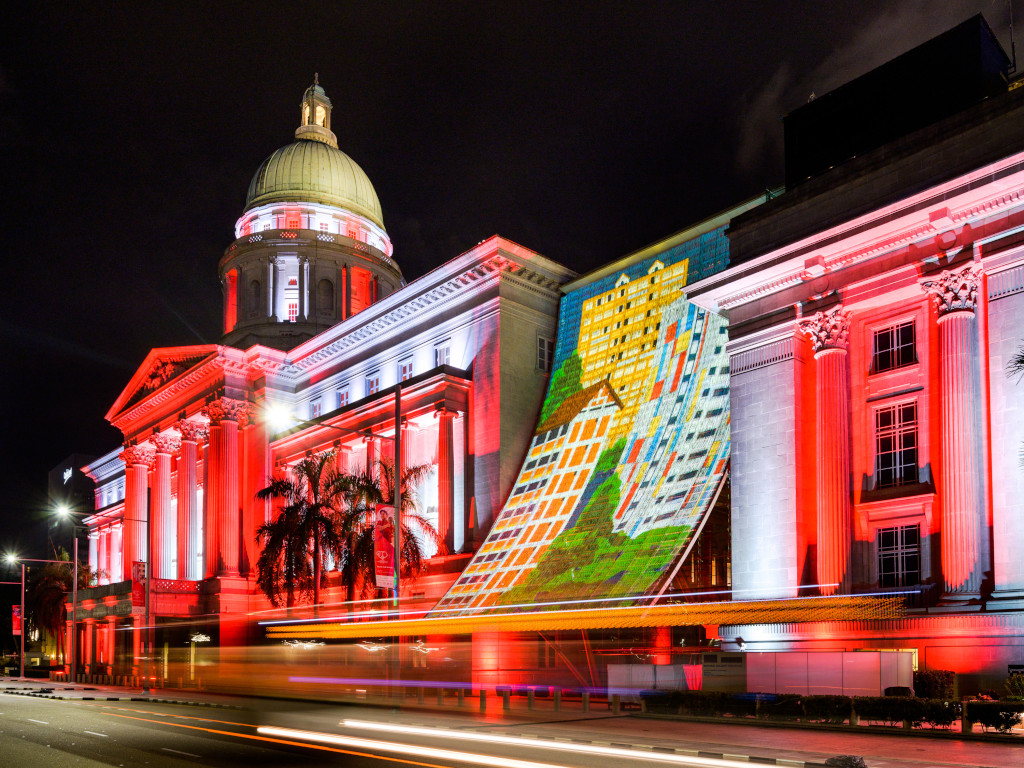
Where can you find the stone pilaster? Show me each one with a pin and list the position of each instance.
(193, 434)
(964, 537)
(829, 333)
(226, 416)
(445, 477)
(164, 535)
(137, 461)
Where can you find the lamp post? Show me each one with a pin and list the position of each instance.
(11, 560)
(65, 512)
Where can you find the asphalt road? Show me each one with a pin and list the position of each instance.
(41, 733)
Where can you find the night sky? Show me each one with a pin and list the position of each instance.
(129, 133)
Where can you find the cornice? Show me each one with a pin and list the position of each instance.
(943, 209)
(416, 303)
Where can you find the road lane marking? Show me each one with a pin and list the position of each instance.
(179, 752)
(184, 717)
(303, 744)
(93, 733)
(41, 722)
(408, 749)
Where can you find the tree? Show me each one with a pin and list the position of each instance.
(47, 593)
(357, 497)
(304, 533)
(1015, 367)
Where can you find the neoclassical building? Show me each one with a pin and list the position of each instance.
(318, 323)
(874, 309)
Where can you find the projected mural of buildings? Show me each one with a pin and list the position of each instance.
(632, 444)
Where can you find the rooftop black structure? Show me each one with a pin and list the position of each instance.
(939, 78)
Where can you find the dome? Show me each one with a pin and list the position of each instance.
(312, 171)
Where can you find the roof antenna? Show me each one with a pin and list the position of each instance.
(1013, 46)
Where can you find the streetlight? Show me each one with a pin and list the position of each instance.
(11, 560)
(64, 511)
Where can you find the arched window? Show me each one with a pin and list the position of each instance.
(321, 116)
(305, 114)
(325, 297)
(254, 298)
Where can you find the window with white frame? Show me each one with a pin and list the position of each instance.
(443, 352)
(899, 556)
(893, 347)
(545, 354)
(896, 445)
(405, 369)
(323, 226)
(316, 408)
(343, 397)
(373, 383)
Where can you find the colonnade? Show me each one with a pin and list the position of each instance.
(965, 554)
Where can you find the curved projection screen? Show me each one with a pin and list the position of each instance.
(630, 449)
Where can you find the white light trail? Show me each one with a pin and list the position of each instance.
(404, 749)
(519, 741)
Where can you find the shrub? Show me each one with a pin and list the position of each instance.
(1001, 716)
(939, 713)
(826, 709)
(879, 709)
(1015, 684)
(787, 706)
(934, 683)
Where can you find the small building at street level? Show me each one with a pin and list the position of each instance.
(318, 323)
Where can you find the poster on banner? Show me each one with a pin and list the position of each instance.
(384, 548)
(138, 584)
(16, 619)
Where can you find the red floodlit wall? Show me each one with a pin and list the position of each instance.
(230, 300)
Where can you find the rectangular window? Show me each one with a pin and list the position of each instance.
(443, 353)
(373, 383)
(405, 369)
(293, 311)
(323, 226)
(316, 408)
(893, 347)
(545, 354)
(896, 445)
(342, 397)
(899, 556)
(293, 222)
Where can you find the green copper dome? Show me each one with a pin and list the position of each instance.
(312, 171)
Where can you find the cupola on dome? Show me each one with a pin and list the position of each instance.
(312, 169)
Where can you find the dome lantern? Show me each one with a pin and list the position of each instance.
(315, 116)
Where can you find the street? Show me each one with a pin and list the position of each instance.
(86, 729)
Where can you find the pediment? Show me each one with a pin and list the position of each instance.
(160, 368)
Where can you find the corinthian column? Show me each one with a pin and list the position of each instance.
(137, 461)
(163, 523)
(226, 416)
(964, 534)
(445, 477)
(829, 333)
(192, 434)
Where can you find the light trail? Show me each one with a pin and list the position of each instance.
(576, 748)
(407, 749)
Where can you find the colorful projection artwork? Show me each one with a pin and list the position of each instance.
(631, 447)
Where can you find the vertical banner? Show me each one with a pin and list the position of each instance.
(16, 619)
(138, 584)
(384, 548)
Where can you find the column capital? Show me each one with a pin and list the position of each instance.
(138, 455)
(828, 330)
(168, 444)
(227, 409)
(192, 431)
(443, 410)
(955, 291)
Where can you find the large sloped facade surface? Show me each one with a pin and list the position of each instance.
(631, 446)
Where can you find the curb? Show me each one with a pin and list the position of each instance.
(59, 697)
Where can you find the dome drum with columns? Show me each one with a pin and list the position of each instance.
(310, 249)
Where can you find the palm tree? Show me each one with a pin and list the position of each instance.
(46, 596)
(356, 499)
(300, 538)
(1015, 367)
